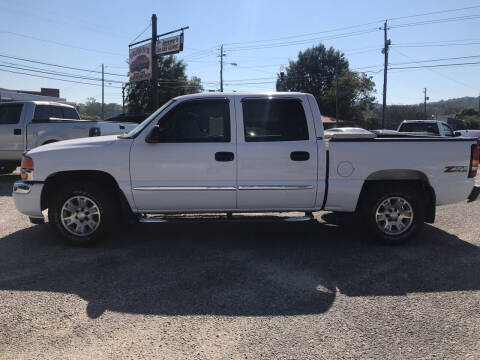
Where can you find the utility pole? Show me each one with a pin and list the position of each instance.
(387, 43)
(336, 100)
(103, 93)
(221, 67)
(425, 98)
(123, 97)
(154, 63)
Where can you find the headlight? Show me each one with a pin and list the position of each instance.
(26, 171)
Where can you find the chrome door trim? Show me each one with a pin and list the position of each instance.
(185, 188)
(223, 188)
(275, 187)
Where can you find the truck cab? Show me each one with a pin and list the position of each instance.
(428, 127)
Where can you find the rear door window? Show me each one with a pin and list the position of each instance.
(43, 113)
(274, 120)
(70, 113)
(10, 113)
(446, 130)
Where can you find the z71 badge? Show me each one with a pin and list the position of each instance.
(451, 169)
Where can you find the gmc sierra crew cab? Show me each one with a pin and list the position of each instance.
(252, 152)
(28, 124)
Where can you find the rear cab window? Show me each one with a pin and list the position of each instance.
(431, 128)
(279, 119)
(43, 113)
(10, 113)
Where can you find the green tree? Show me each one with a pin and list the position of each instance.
(326, 75)
(172, 82)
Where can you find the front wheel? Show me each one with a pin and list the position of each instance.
(395, 213)
(82, 213)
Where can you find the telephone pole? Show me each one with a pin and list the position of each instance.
(222, 54)
(387, 43)
(425, 98)
(103, 93)
(154, 63)
(336, 100)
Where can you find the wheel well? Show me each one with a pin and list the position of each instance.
(49, 142)
(54, 181)
(421, 183)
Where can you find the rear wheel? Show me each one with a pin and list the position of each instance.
(82, 213)
(394, 213)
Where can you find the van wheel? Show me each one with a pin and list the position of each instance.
(82, 213)
(394, 213)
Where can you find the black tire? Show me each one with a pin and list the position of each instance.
(96, 194)
(381, 194)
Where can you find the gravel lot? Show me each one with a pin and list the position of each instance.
(241, 290)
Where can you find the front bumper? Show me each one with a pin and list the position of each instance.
(474, 194)
(27, 198)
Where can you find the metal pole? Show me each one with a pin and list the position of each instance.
(385, 67)
(425, 102)
(123, 99)
(221, 68)
(336, 100)
(154, 64)
(103, 93)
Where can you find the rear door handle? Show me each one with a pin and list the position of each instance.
(224, 156)
(299, 156)
(17, 131)
(122, 127)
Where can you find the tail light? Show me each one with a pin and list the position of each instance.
(26, 169)
(474, 159)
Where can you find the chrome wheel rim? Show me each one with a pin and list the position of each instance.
(80, 216)
(394, 215)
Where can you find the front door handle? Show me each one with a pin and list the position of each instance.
(224, 156)
(17, 131)
(299, 155)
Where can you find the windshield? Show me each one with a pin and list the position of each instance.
(138, 129)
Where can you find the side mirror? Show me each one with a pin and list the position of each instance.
(156, 135)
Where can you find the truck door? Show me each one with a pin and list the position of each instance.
(11, 132)
(193, 166)
(277, 154)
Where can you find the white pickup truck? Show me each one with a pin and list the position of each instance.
(431, 127)
(250, 152)
(28, 124)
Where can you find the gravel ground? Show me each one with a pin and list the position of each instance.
(241, 290)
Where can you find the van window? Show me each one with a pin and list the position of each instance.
(10, 113)
(274, 120)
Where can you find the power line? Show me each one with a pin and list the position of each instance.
(434, 66)
(433, 60)
(60, 44)
(56, 65)
(303, 41)
(437, 21)
(47, 77)
(43, 71)
(439, 73)
(143, 32)
(435, 12)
